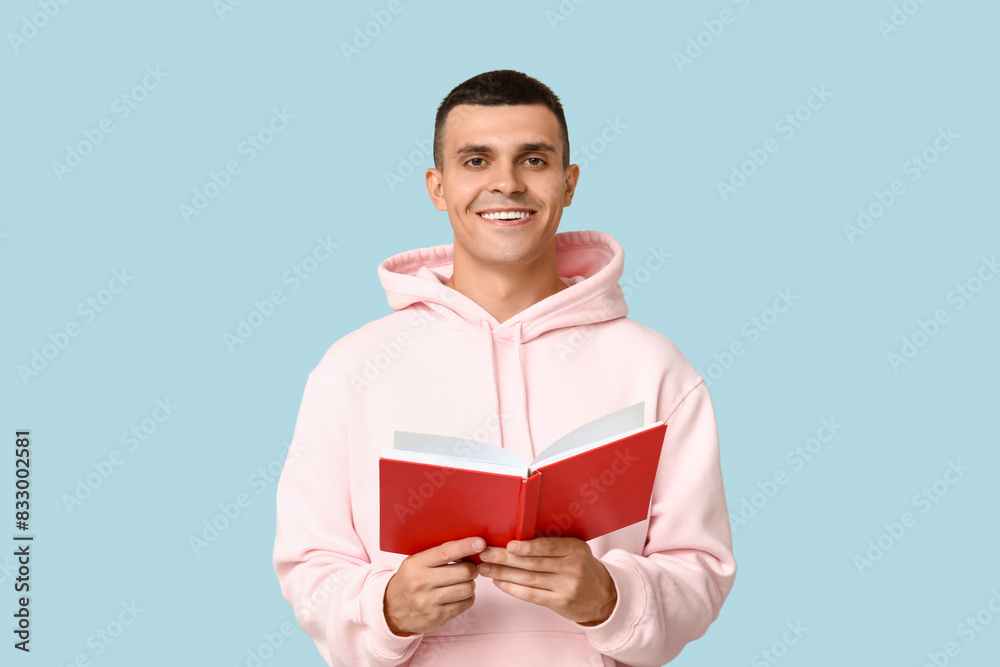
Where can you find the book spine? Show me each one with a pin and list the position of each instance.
(527, 508)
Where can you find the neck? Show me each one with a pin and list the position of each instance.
(504, 291)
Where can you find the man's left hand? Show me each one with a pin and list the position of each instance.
(559, 573)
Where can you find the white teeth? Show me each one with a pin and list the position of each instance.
(506, 215)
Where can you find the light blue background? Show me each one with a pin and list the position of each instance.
(653, 186)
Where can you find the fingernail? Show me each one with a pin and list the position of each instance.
(478, 545)
(484, 568)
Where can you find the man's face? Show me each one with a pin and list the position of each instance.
(502, 162)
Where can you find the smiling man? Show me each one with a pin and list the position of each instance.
(504, 179)
(514, 334)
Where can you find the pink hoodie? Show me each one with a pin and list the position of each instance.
(441, 364)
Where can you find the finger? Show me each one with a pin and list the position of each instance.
(514, 575)
(455, 592)
(453, 609)
(545, 547)
(449, 552)
(500, 556)
(539, 596)
(454, 573)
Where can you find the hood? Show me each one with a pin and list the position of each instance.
(589, 262)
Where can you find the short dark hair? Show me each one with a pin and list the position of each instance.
(499, 88)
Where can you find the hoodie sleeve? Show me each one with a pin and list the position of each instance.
(670, 594)
(322, 566)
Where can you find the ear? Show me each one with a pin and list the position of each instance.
(435, 188)
(572, 174)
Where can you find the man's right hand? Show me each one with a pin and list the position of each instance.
(430, 588)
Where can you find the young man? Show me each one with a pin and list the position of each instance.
(515, 335)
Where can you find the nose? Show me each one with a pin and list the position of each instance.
(505, 178)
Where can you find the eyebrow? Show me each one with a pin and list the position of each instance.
(539, 147)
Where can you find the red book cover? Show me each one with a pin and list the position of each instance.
(597, 479)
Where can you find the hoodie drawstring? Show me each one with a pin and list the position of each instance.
(493, 371)
(520, 373)
(524, 391)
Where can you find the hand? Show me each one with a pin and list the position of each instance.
(429, 588)
(559, 573)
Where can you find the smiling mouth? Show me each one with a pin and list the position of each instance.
(516, 217)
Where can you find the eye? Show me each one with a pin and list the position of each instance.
(473, 159)
(538, 163)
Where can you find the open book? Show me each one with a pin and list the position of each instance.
(595, 479)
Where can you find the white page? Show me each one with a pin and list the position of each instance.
(607, 428)
(566, 453)
(457, 448)
(519, 470)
